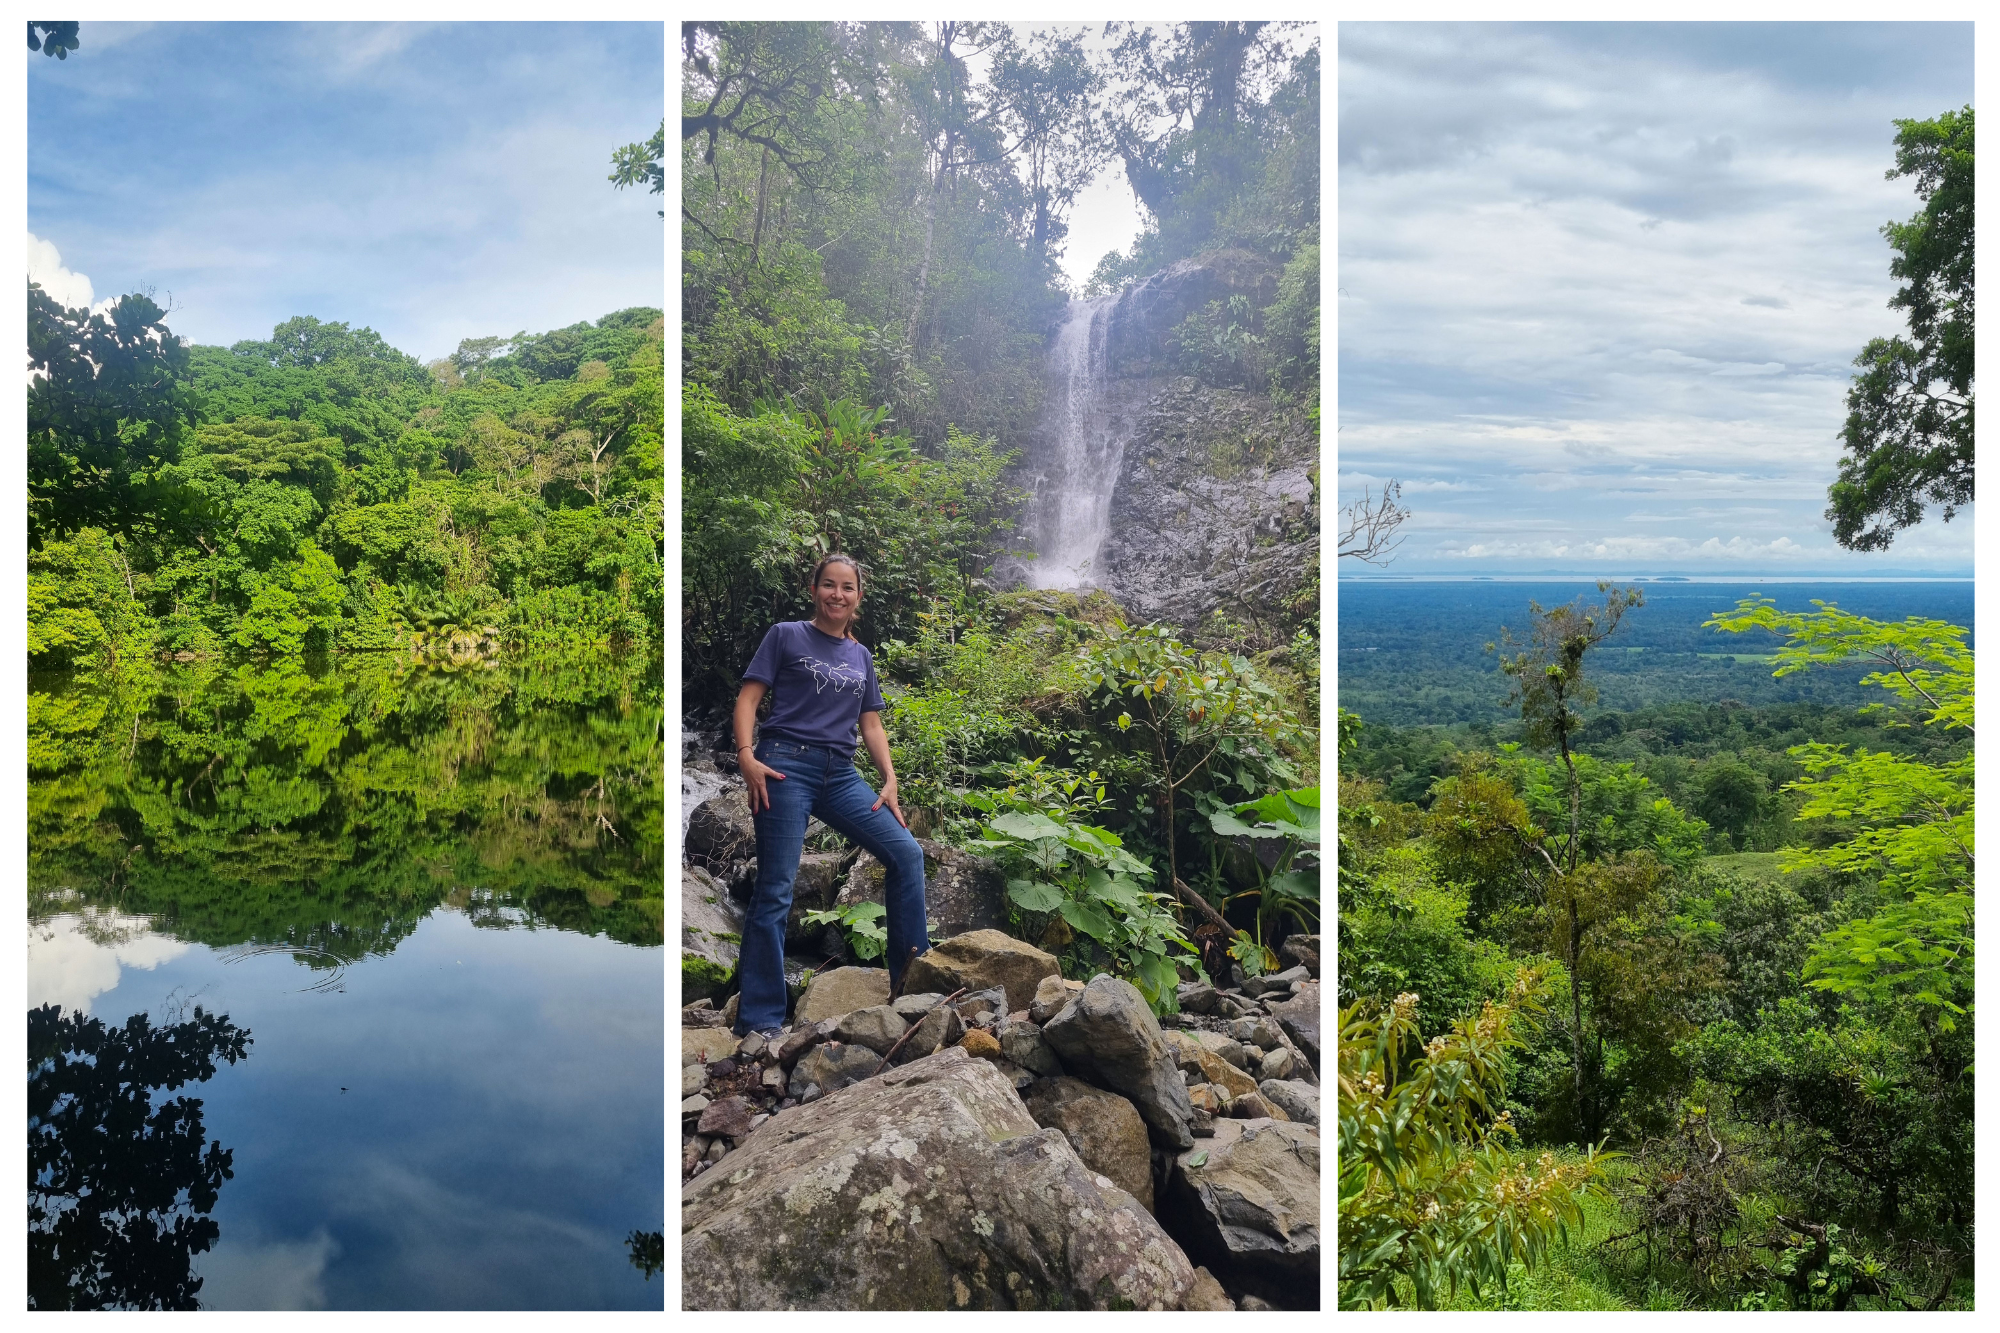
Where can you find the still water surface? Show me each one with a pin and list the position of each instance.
(378, 954)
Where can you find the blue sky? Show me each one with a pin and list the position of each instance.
(1600, 285)
(432, 181)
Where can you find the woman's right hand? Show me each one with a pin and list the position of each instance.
(754, 773)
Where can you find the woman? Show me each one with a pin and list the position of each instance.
(823, 688)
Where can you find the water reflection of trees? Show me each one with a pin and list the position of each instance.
(331, 810)
(119, 1188)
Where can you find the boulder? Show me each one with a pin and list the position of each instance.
(793, 1045)
(1301, 951)
(708, 1044)
(1050, 996)
(1299, 1017)
(1208, 1098)
(813, 889)
(1254, 1106)
(1206, 1293)
(1298, 1100)
(1246, 1205)
(729, 1117)
(1228, 1048)
(720, 829)
(981, 959)
(914, 1007)
(1021, 1042)
(1206, 1066)
(1277, 1063)
(877, 1027)
(832, 1064)
(711, 935)
(981, 1005)
(839, 991)
(935, 1031)
(1103, 1127)
(1277, 983)
(1196, 997)
(1107, 1036)
(1259, 1032)
(929, 1188)
(962, 892)
(692, 1077)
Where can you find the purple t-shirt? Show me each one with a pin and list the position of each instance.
(820, 685)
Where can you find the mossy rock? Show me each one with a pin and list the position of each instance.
(703, 978)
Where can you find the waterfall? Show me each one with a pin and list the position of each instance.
(1080, 453)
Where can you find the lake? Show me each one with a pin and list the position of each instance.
(345, 987)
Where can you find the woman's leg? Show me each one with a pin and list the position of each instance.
(843, 804)
(781, 837)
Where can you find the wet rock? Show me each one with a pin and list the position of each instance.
(877, 1027)
(730, 1117)
(980, 959)
(962, 892)
(720, 829)
(711, 935)
(708, 1044)
(1021, 1042)
(1250, 1209)
(841, 991)
(980, 1044)
(692, 1077)
(1050, 996)
(1299, 1017)
(832, 1065)
(1298, 1100)
(1206, 1293)
(1107, 1036)
(930, 1188)
(935, 1031)
(1301, 951)
(1103, 1127)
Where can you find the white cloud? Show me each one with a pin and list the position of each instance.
(242, 1273)
(74, 959)
(72, 290)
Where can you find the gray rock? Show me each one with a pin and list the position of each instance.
(1228, 1048)
(1276, 982)
(981, 1004)
(773, 1080)
(692, 1077)
(936, 1030)
(914, 1007)
(1298, 1100)
(797, 1042)
(711, 935)
(1277, 1064)
(877, 1027)
(930, 1188)
(717, 1150)
(752, 1047)
(832, 1065)
(1021, 1042)
(720, 829)
(980, 959)
(694, 1105)
(1299, 1017)
(1258, 1032)
(1253, 1106)
(1301, 951)
(839, 991)
(1206, 1293)
(1050, 996)
(1250, 1209)
(1107, 1036)
(1014, 1074)
(962, 892)
(1103, 1127)
(1197, 998)
(813, 890)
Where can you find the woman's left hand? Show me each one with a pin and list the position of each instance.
(888, 798)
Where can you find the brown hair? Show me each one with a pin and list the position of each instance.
(860, 577)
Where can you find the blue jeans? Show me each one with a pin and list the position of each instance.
(819, 782)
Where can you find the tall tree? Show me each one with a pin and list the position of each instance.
(109, 403)
(1908, 436)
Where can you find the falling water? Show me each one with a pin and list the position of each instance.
(1080, 453)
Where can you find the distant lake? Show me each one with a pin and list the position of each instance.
(1413, 652)
(378, 952)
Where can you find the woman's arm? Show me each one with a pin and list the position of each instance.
(877, 741)
(754, 773)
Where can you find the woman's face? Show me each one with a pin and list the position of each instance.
(837, 595)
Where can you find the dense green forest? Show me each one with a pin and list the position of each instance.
(320, 491)
(871, 219)
(1668, 1006)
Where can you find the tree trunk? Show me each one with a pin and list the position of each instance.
(757, 232)
(924, 269)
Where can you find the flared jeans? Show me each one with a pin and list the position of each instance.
(823, 783)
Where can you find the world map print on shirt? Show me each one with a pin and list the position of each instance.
(839, 675)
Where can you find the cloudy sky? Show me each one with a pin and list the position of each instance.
(1600, 285)
(433, 181)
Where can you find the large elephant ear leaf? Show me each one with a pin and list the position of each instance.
(1088, 918)
(1027, 825)
(1299, 884)
(1032, 896)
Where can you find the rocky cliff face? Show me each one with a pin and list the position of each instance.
(1215, 505)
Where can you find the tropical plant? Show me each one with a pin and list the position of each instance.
(859, 923)
(1293, 818)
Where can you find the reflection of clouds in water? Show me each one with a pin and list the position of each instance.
(244, 1274)
(73, 959)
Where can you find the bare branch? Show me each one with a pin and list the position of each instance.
(1368, 526)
